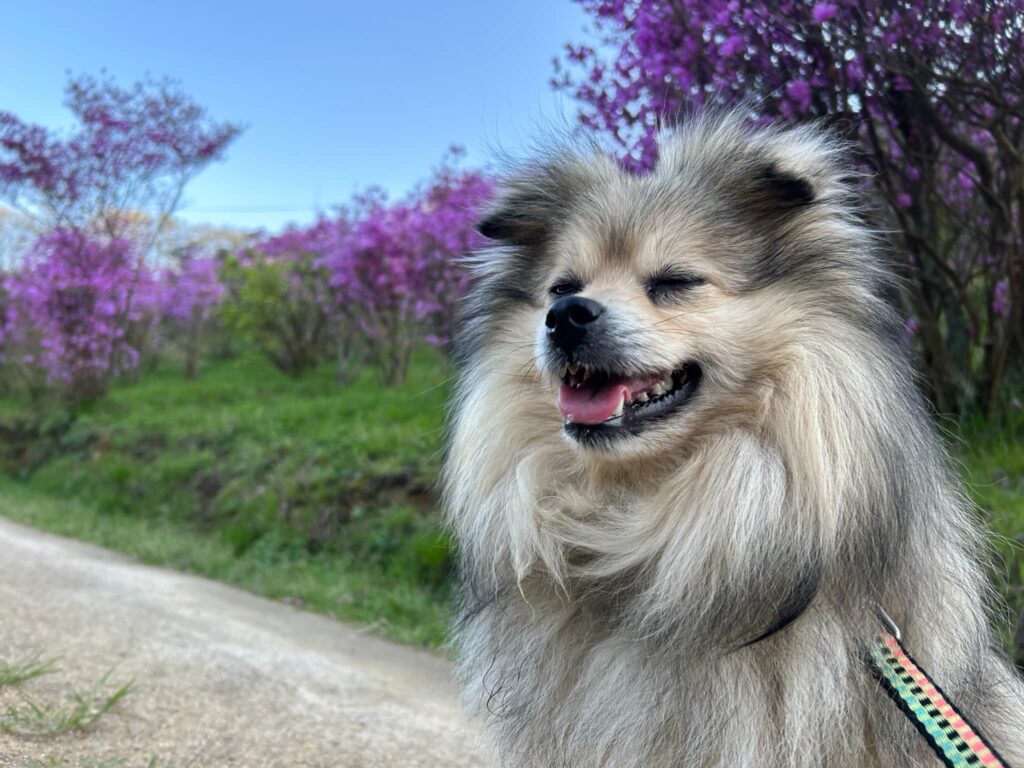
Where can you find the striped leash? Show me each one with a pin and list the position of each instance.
(948, 733)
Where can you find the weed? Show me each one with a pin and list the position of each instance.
(23, 671)
(79, 714)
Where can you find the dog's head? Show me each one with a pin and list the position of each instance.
(636, 313)
(689, 384)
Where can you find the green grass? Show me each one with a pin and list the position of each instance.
(241, 441)
(300, 489)
(15, 673)
(393, 601)
(992, 462)
(28, 717)
(78, 714)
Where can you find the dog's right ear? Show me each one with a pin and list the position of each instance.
(520, 216)
(531, 204)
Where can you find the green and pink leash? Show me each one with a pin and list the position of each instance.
(956, 742)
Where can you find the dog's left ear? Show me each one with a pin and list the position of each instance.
(799, 167)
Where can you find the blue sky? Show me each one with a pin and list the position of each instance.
(337, 96)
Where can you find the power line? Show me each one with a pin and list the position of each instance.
(250, 209)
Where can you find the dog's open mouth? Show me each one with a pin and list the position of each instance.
(601, 403)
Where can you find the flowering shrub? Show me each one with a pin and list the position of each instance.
(451, 204)
(378, 278)
(394, 268)
(382, 276)
(190, 291)
(932, 92)
(70, 309)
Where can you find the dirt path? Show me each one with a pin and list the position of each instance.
(222, 678)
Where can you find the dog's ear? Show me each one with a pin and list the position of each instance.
(518, 217)
(800, 167)
(531, 204)
(787, 188)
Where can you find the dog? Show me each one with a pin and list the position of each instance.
(689, 463)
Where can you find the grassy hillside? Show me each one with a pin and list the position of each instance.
(291, 487)
(306, 490)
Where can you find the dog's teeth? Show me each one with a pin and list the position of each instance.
(586, 374)
(622, 405)
(573, 368)
(657, 390)
(642, 397)
(666, 383)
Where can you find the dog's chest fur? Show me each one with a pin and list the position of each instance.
(609, 669)
(565, 683)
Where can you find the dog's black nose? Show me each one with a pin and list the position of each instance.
(568, 320)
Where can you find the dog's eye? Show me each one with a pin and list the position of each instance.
(668, 285)
(565, 288)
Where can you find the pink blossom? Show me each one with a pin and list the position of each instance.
(822, 12)
(800, 93)
(392, 269)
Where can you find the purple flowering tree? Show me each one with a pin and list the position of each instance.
(394, 267)
(450, 205)
(933, 94)
(190, 292)
(373, 282)
(69, 311)
(133, 151)
(323, 242)
(102, 192)
(373, 266)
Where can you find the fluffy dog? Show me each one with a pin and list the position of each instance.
(688, 461)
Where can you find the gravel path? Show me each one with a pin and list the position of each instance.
(222, 678)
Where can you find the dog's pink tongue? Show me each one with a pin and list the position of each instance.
(591, 405)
